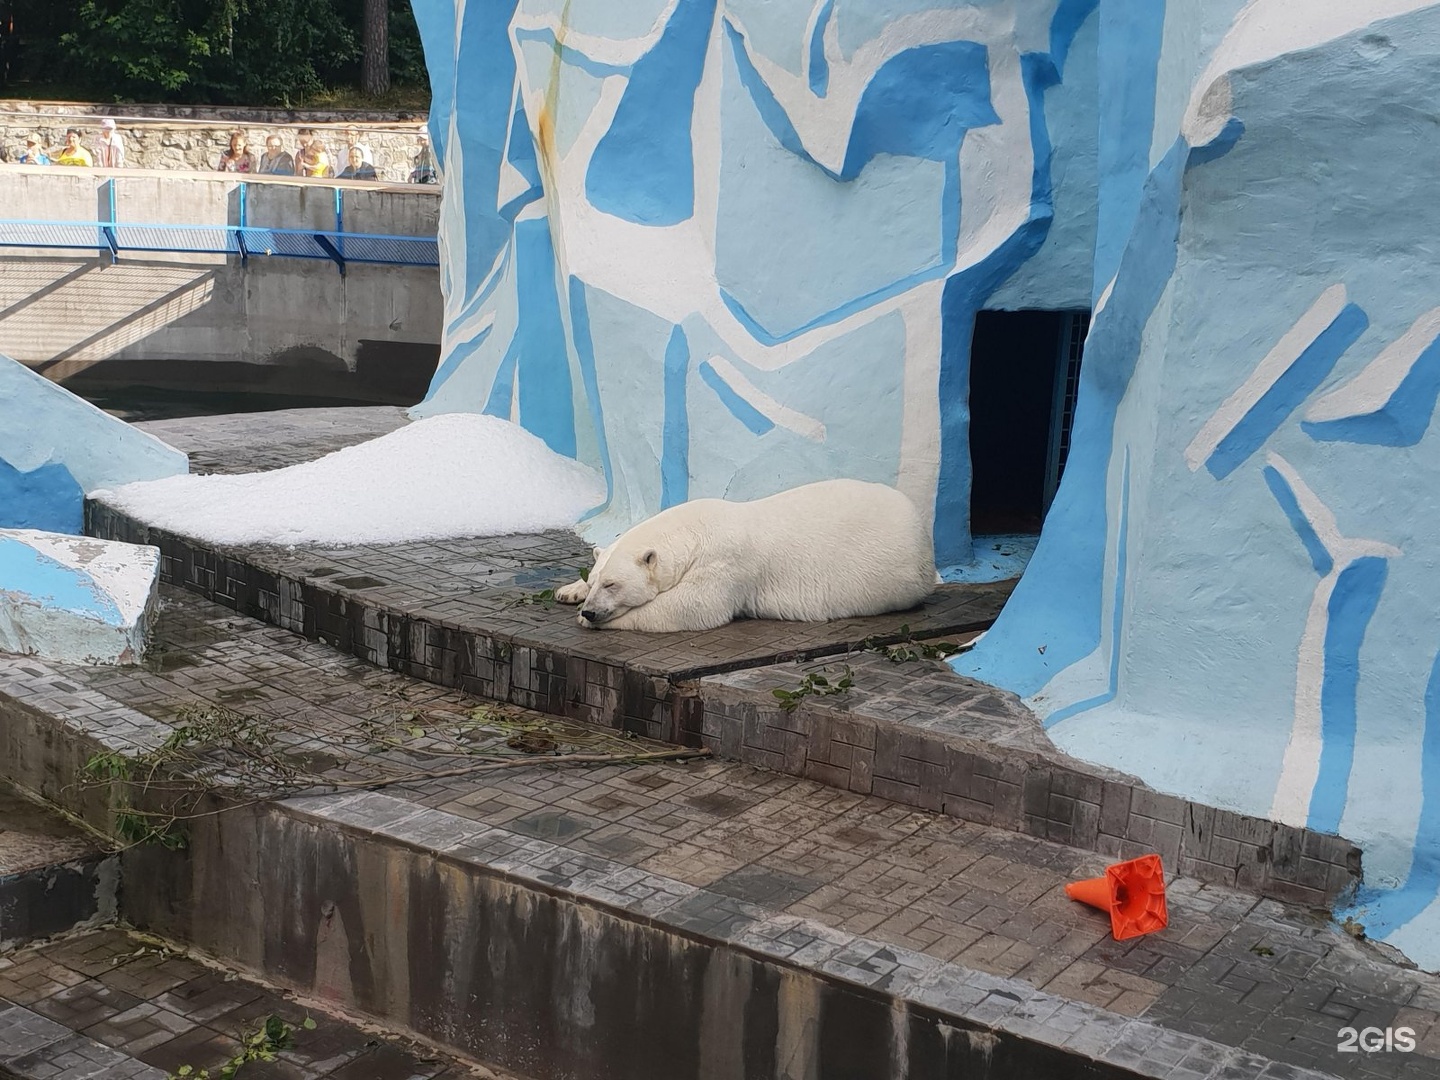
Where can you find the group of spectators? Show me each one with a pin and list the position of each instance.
(311, 157)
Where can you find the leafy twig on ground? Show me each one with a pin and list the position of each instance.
(814, 684)
(263, 1043)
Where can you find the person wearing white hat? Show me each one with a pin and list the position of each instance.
(33, 154)
(109, 148)
(424, 170)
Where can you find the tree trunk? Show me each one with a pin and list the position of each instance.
(375, 62)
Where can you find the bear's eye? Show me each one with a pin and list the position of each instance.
(610, 585)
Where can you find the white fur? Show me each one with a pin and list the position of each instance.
(832, 550)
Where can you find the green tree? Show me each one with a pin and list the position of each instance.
(271, 52)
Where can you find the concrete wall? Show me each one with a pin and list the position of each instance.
(276, 324)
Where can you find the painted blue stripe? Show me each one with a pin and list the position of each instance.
(844, 311)
(1131, 33)
(47, 498)
(1389, 910)
(1070, 15)
(436, 22)
(1402, 420)
(819, 66)
(964, 295)
(1356, 595)
(1217, 147)
(546, 404)
(1058, 602)
(675, 435)
(1285, 496)
(585, 354)
(770, 109)
(643, 168)
(502, 390)
(1287, 393)
(458, 355)
(36, 575)
(1117, 616)
(568, 53)
(742, 410)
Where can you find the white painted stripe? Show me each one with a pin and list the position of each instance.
(1371, 389)
(780, 415)
(620, 52)
(1273, 365)
(1300, 766)
(1342, 549)
(996, 164)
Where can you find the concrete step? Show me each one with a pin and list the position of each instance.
(667, 921)
(454, 613)
(53, 876)
(465, 614)
(110, 1005)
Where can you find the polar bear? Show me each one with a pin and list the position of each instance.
(830, 550)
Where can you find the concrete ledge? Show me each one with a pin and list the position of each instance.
(74, 598)
(555, 963)
(460, 613)
(920, 735)
(631, 912)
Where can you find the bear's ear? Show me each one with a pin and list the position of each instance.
(648, 558)
(597, 552)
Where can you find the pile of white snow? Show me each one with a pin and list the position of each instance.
(445, 476)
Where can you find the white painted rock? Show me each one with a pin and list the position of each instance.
(75, 598)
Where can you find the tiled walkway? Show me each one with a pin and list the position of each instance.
(730, 847)
(107, 1005)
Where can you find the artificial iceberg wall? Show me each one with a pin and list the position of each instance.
(1234, 594)
(55, 447)
(725, 247)
(722, 247)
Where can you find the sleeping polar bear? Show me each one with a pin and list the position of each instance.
(831, 550)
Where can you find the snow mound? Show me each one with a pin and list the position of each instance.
(446, 476)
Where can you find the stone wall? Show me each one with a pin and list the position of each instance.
(166, 137)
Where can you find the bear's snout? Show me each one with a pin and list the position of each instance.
(590, 616)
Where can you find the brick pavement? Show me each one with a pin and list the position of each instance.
(465, 613)
(108, 1005)
(859, 886)
(918, 734)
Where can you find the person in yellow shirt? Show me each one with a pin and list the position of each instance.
(311, 158)
(72, 153)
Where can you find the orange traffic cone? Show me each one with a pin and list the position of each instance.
(1132, 892)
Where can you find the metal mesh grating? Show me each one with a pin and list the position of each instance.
(224, 240)
(1078, 326)
(195, 239)
(66, 234)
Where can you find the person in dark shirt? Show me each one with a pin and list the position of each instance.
(357, 169)
(275, 161)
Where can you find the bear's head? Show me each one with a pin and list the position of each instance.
(620, 582)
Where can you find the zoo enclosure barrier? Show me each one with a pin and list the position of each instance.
(111, 237)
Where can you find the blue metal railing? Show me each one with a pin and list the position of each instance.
(114, 238)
